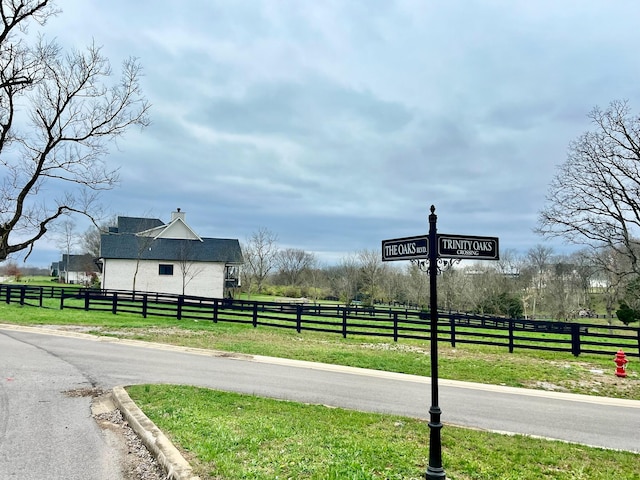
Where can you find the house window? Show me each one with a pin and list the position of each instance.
(165, 269)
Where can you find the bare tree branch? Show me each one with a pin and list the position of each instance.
(58, 113)
(259, 253)
(594, 198)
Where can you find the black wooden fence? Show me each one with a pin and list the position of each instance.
(394, 323)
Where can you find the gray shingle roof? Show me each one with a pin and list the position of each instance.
(136, 224)
(77, 263)
(132, 247)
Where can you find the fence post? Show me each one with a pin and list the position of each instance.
(575, 339)
(87, 299)
(41, 294)
(511, 336)
(23, 292)
(114, 303)
(344, 322)
(452, 324)
(215, 310)
(395, 326)
(61, 299)
(145, 305)
(298, 318)
(255, 314)
(179, 312)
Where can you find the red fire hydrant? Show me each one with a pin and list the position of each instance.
(621, 364)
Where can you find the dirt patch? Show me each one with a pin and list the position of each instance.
(92, 392)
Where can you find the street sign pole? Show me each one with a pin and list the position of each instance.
(428, 249)
(435, 469)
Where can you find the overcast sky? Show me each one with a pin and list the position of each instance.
(336, 124)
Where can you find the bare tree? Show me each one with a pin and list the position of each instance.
(259, 252)
(143, 243)
(539, 258)
(371, 271)
(344, 278)
(66, 239)
(12, 270)
(612, 285)
(292, 263)
(90, 239)
(318, 280)
(58, 112)
(594, 198)
(189, 268)
(584, 268)
(392, 284)
(563, 292)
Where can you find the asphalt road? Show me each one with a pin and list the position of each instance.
(49, 434)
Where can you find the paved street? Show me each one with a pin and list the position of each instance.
(40, 423)
(46, 430)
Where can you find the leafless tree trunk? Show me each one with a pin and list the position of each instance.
(144, 244)
(58, 112)
(66, 240)
(189, 269)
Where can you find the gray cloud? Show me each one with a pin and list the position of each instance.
(336, 124)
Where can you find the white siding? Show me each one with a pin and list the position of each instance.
(77, 277)
(202, 279)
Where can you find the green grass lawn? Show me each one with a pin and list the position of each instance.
(233, 436)
(229, 436)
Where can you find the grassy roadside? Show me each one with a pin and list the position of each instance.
(590, 375)
(232, 436)
(229, 436)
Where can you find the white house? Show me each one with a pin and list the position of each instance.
(75, 269)
(144, 254)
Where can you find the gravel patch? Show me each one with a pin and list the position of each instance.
(138, 463)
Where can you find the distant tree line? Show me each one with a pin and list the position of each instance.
(536, 284)
(10, 270)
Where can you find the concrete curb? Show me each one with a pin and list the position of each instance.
(167, 455)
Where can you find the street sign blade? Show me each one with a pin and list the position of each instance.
(468, 247)
(407, 248)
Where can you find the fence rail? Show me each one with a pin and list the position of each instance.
(392, 323)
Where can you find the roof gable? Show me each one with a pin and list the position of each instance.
(177, 229)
